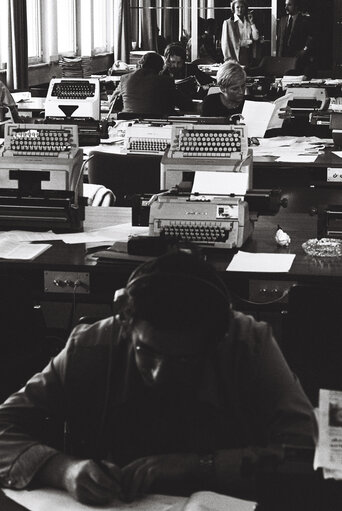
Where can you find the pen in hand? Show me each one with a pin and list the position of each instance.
(113, 473)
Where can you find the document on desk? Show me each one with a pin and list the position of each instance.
(106, 234)
(265, 263)
(58, 500)
(21, 250)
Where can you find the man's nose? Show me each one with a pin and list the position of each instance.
(160, 371)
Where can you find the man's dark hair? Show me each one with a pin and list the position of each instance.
(178, 292)
(174, 49)
(152, 60)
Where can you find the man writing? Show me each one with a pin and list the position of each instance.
(173, 394)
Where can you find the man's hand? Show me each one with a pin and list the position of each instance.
(139, 476)
(91, 483)
(87, 481)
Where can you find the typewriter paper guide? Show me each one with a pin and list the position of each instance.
(220, 183)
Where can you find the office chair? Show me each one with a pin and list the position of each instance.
(274, 66)
(125, 174)
(312, 338)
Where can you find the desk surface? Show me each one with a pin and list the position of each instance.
(106, 278)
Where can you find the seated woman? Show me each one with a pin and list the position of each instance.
(146, 93)
(231, 78)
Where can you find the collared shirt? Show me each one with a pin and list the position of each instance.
(247, 31)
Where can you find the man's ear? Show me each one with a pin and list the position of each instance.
(119, 302)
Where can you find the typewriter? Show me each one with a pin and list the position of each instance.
(75, 101)
(147, 138)
(41, 178)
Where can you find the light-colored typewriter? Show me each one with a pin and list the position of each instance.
(40, 177)
(206, 172)
(147, 138)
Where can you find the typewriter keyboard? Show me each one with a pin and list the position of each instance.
(196, 232)
(143, 145)
(43, 142)
(204, 143)
(73, 90)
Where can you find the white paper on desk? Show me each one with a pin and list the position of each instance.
(220, 183)
(297, 158)
(21, 96)
(24, 251)
(210, 501)
(111, 233)
(267, 263)
(57, 500)
(338, 153)
(257, 115)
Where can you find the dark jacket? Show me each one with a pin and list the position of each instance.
(146, 92)
(301, 36)
(247, 397)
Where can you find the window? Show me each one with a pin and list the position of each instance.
(3, 35)
(33, 31)
(66, 27)
(99, 25)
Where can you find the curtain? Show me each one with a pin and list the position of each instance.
(149, 26)
(17, 65)
(122, 30)
(170, 29)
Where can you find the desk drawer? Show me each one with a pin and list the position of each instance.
(262, 291)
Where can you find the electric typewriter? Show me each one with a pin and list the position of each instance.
(206, 173)
(147, 138)
(76, 101)
(41, 178)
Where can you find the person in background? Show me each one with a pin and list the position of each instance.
(295, 37)
(174, 393)
(176, 67)
(7, 102)
(239, 34)
(145, 91)
(231, 78)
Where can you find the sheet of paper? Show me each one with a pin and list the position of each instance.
(57, 500)
(207, 500)
(268, 263)
(111, 233)
(24, 251)
(220, 183)
(338, 153)
(279, 104)
(298, 158)
(257, 115)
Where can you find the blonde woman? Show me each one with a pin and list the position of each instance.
(239, 33)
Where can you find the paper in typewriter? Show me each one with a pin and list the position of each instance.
(329, 449)
(220, 183)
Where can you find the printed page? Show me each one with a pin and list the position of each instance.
(329, 449)
(279, 105)
(57, 500)
(20, 250)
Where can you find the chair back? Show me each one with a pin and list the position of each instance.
(277, 66)
(125, 174)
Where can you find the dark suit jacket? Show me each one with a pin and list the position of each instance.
(301, 36)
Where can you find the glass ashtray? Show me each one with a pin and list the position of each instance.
(325, 247)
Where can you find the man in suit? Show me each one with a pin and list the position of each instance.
(295, 36)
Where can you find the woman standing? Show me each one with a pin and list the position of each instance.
(239, 33)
